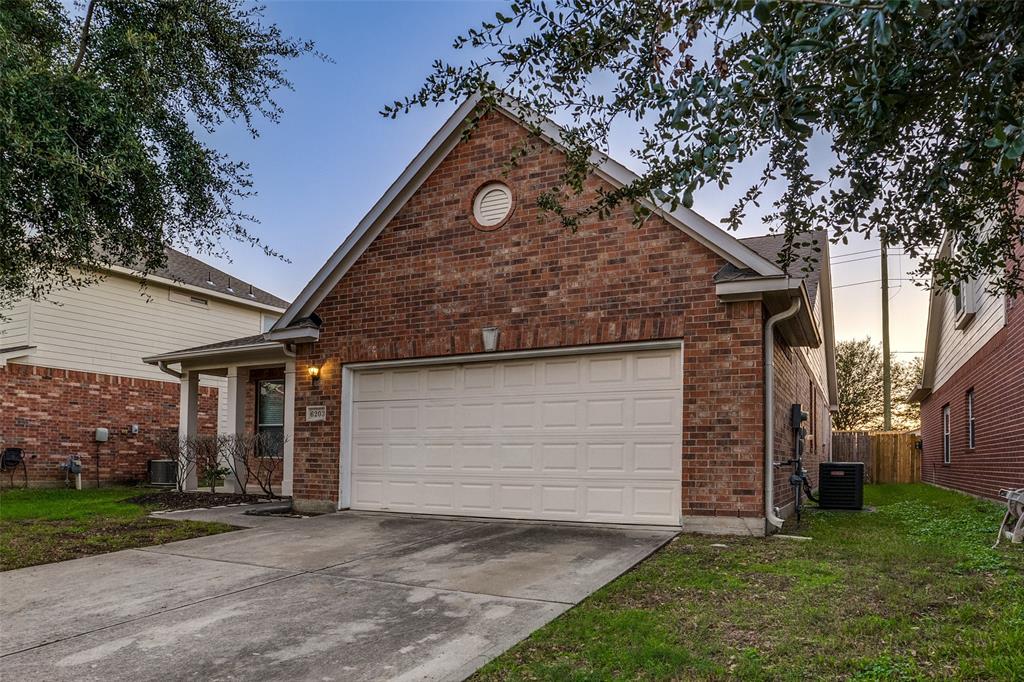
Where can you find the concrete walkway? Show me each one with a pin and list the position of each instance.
(347, 596)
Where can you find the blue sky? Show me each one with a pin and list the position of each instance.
(332, 155)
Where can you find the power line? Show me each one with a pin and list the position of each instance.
(870, 281)
(855, 253)
(854, 260)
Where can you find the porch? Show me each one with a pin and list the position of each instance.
(257, 383)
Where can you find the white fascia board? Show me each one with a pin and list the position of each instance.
(178, 356)
(828, 322)
(752, 288)
(933, 328)
(134, 274)
(443, 141)
(294, 335)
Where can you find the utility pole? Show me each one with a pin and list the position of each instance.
(886, 368)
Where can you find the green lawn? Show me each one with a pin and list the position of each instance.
(42, 525)
(908, 591)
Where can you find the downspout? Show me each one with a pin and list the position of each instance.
(162, 366)
(769, 412)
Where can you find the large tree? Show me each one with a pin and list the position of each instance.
(105, 112)
(859, 379)
(916, 107)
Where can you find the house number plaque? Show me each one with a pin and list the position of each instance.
(316, 413)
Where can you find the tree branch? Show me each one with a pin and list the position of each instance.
(84, 39)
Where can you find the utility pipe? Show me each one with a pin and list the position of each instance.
(769, 410)
(167, 370)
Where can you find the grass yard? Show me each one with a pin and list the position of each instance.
(42, 525)
(909, 591)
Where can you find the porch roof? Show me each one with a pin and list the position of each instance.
(258, 343)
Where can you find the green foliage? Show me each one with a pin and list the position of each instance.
(103, 115)
(910, 591)
(43, 525)
(58, 504)
(859, 379)
(915, 109)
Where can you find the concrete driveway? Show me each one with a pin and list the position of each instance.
(347, 596)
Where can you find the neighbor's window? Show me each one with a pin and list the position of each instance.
(270, 416)
(970, 418)
(945, 434)
(267, 321)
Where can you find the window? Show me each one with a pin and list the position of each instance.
(270, 416)
(267, 321)
(970, 419)
(945, 434)
(965, 298)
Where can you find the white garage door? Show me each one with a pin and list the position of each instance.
(592, 437)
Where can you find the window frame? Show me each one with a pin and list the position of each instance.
(268, 320)
(972, 434)
(946, 440)
(259, 424)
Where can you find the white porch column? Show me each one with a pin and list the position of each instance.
(289, 428)
(238, 378)
(188, 420)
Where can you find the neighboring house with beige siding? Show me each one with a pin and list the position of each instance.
(73, 362)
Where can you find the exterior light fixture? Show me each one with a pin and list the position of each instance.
(314, 374)
(490, 338)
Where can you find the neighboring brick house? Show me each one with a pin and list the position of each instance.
(473, 357)
(73, 363)
(972, 391)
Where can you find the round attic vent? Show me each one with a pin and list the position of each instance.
(492, 205)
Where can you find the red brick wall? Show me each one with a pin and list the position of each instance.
(430, 281)
(53, 414)
(794, 384)
(996, 373)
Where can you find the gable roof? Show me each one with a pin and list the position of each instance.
(438, 148)
(770, 245)
(184, 270)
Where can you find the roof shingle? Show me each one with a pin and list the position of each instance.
(188, 270)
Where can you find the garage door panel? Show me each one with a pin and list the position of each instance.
(582, 438)
(551, 498)
(597, 458)
(559, 457)
(649, 370)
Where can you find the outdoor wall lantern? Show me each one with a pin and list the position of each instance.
(314, 374)
(490, 336)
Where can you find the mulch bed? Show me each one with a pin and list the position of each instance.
(173, 500)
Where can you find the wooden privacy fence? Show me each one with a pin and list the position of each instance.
(888, 456)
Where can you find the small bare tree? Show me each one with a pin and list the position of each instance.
(254, 457)
(268, 457)
(172, 446)
(205, 453)
(237, 454)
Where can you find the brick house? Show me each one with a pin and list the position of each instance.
(472, 357)
(972, 391)
(73, 363)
